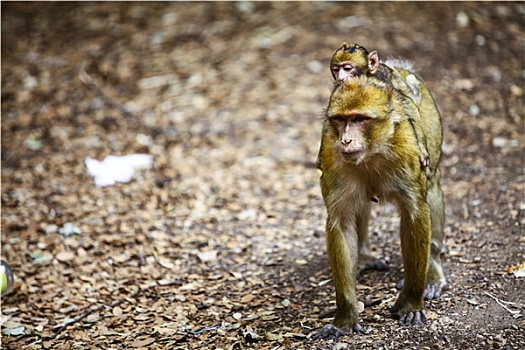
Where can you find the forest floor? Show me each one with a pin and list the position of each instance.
(220, 244)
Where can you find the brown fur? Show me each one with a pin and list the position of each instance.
(386, 164)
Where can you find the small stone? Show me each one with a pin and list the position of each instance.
(499, 142)
(51, 229)
(462, 19)
(474, 110)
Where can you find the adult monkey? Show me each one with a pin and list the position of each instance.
(371, 147)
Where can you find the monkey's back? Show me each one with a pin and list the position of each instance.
(430, 118)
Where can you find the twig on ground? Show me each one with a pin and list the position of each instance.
(502, 304)
(90, 83)
(203, 329)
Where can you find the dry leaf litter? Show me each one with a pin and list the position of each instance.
(220, 244)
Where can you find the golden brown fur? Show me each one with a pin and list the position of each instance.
(369, 148)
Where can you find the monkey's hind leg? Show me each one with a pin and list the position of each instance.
(436, 280)
(435, 275)
(366, 260)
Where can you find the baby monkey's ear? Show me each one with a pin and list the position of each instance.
(373, 62)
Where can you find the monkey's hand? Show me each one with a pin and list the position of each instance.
(425, 162)
(409, 313)
(330, 331)
(413, 318)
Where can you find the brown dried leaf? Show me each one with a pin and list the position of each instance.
(247, 298)
(139, 343)
(65, 256)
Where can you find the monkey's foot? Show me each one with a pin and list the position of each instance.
(435, 280)
(413, 318)
(432, 291)
(330, 331)
(368, 262)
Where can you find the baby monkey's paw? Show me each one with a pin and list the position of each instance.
(424, 161)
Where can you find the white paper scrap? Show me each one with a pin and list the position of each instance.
(115, 169)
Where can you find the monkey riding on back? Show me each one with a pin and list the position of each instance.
(381, 139)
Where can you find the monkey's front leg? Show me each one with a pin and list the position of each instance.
(342, 247)
(415, 247)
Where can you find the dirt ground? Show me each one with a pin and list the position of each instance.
(220, 245)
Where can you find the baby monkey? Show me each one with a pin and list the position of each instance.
(370, 146)
(353, 60)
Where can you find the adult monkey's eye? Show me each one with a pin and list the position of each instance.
(338, 119)
(360, 118)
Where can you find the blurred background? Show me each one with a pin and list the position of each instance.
(228, 99)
